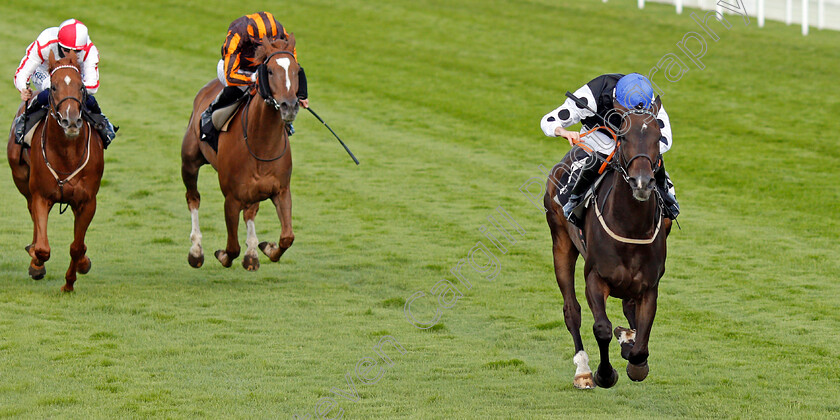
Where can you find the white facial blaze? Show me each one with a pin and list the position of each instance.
(67, 80)
(285, 63)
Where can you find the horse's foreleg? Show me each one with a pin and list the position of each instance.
(596, 295)
(627, 336)
(283, 204)
(251, 261)
(79, 262)
(39, 250)
(231, 251)
(565, 255)
(637, 369)
(189, 174)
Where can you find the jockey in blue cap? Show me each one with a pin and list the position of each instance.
(630, 91)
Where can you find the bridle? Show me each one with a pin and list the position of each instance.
(264, 89)
(262, 74)
(622, 166)
(54, 106)
(57, 116)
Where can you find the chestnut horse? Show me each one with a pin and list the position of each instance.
(254, 159)
(63, 165)
(623, 248)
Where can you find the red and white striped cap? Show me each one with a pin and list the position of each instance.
(72, 34)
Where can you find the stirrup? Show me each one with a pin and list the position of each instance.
(571, 204)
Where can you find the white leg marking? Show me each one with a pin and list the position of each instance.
(252, 241)
(627, 336)
(581, 360)
(195, 235)
(285, 63)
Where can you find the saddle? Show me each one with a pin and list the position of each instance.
(221, 122)
(32, 122)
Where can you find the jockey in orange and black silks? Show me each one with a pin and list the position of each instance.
(33, 73)
(632, 91)
(237, 68)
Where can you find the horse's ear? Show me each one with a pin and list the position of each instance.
(291, 41)
(52, 60)
(73, 56)
(262, 51)
(618, 106)
(657, 105)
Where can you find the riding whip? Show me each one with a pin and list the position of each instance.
(333, 133)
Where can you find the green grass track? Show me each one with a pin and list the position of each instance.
(441, 102)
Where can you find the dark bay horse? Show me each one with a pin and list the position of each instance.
(623, 248)
(254, 159)
(64, 165)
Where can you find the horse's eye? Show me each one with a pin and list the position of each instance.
(270, 72)
(52, 88)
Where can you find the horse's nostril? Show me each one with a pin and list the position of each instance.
(64, 122)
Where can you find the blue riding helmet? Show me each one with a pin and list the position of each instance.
(634, 90)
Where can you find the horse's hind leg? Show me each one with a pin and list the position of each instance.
(596, 295)
(637, 368)
(251, 261)
(565, 256)
(40, 248)
(283, 204)
(189, 174)
(231, 251)
(79, 262)
(627, 336)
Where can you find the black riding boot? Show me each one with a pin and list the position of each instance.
(106, 130)
(20, 121)
(587, 176)
(228, 96)
(667, 192)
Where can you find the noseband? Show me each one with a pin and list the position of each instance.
(265, 88)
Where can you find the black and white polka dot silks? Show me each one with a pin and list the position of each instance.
(570, 114)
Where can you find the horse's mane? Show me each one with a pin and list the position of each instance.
(267, 46)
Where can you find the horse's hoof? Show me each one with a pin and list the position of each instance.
(606, 382)
(584, 381)
(270, 250)
(251, 263)
(84, 266)
(37, 273)
(195, 262)
(223, 258)
(637, 373)
(67, 288)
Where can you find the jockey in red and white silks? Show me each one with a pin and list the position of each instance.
(71, 35)
(33, 73)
